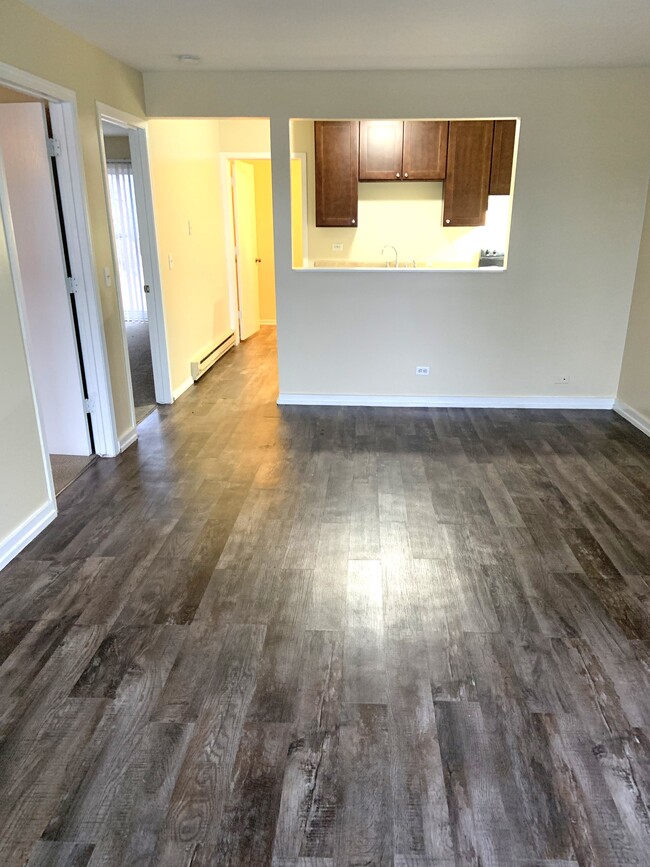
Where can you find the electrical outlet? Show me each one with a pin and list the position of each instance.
(337, 248)
(421, 370)
(562, 380)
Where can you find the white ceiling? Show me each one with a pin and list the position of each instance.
(362, 34)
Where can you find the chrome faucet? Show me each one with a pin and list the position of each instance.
(394, 249)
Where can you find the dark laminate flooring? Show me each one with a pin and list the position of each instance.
(141, 366)
(308, 637)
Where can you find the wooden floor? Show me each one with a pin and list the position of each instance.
(308, 637)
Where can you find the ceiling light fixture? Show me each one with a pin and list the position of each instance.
(188, 58)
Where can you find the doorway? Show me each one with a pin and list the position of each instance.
(128, 193)
(249, 227)
(132, 286)
(52, 329)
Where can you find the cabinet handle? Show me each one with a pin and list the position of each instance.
(397, 174)
(447, 221)
(353, 222)
(406, 174)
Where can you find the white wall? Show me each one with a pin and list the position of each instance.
(50, 333)
(634, 387)
(579, 198)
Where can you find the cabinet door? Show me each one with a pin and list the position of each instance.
(380, 150)
(469, 153)
(337, 167)
(425, 150)
(503, 151)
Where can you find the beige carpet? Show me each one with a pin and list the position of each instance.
(67, 468)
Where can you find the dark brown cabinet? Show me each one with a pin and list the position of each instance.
(425, 150)
(380, 150)
(469, 157)
(337, 169)
(402, 150)
(503, 151)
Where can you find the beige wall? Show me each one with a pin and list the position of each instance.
(185, 171)
(34, 44)
(561, 307)
(634, 387)
(406, 215)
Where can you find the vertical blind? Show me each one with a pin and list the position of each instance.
(125, 228)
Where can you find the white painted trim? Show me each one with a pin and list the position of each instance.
(639, 420)
(128, 439)
(182, 388)
(89, 311)
(18, 79)
(135, 129)
(432, 400)
(13, 544)
(268, 322)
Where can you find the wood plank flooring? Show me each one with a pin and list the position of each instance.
(312, 637)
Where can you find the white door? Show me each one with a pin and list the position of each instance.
(52, 345)
(246, 241)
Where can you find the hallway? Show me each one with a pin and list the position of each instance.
(323, 636)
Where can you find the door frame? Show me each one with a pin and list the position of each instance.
(62, 104)
(136, 130)
(225, 160)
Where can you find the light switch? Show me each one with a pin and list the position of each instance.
(171, 261)
(108, 279)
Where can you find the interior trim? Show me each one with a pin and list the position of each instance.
(447, 400)
(26, 532)
(639, 421)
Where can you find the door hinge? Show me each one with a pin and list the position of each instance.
(71, 283)
(239, 314)
(53, 147)
(236, 252)
(89, 404)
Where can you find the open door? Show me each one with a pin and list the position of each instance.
(51, 332)
(243, 194)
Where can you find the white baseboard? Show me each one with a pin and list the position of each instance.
(268, 322)
(128, 439)
(640, 421)
(447, 400)
(176, 393)
(26, 532)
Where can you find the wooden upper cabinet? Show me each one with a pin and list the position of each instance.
(380, 150)
(402, 150)
(469, 156)
(424, 152)
(503, 152)
(337, 168)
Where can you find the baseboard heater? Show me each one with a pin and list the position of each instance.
(203, 362)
